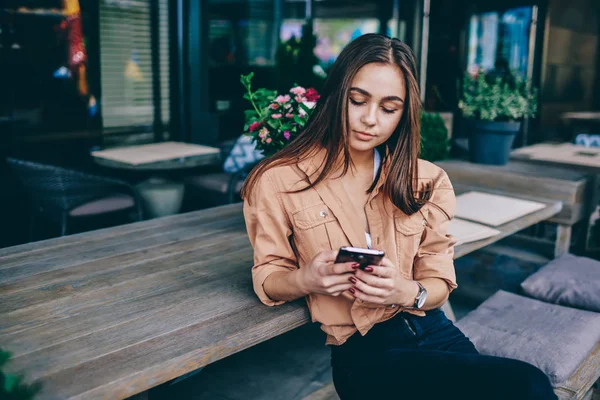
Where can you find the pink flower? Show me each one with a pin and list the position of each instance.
(289, 115)
(275, 116)
(298, 90)
(254, 126)
(312, 95)
(263, 133)
(282, 99)
(269, 140)
(287, 135)
(300, 99)
(274, 106)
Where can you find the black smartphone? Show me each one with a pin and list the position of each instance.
(363, 257)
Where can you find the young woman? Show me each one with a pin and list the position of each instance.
(353, 178)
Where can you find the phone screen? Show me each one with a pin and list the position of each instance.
(363, 257)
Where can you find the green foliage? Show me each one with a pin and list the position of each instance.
(489, 98)
(275, 120)
(296, 61)
(260, 100)
(13, 387)
(434, 137)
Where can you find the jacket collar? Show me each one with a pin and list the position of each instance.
(334, 195)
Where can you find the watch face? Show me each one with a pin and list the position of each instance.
(421, 300)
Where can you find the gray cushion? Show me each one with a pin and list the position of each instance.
(569, 280)
(554, 338)
(104, 205)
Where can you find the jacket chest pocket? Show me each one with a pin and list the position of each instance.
(311, 233)
(409, 230)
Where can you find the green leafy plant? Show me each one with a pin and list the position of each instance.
(275, 120)
(13, 387)
(434, 137)
(492, 98)
(297, 63)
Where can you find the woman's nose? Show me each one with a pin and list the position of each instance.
(369, 117)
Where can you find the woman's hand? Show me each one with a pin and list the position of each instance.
(322, 276)
(384, 284)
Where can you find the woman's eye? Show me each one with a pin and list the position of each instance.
(387, 111)
(356, 103)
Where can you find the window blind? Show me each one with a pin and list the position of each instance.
(126, 62)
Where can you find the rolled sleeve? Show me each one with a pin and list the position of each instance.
(269, 231)
(436, 252)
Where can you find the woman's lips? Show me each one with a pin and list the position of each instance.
(365, 137)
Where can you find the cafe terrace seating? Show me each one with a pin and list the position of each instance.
(60, 195)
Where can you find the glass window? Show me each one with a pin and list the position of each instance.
(335, 33)
(126, 62)
(500, 41)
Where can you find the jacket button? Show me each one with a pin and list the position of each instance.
(424, 222)
(323, 214)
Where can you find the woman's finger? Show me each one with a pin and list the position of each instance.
(367, 289)
(386, 262)
(359, 294)
(339, 289)
(375, 281)
(334, 280)
(337, 269)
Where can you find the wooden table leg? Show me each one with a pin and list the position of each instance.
(563, 240)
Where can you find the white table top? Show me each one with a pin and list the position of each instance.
(493, 210)
(467, 232)
(158, 155)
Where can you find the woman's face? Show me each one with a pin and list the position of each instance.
(375, 106)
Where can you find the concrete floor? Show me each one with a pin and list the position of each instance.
(295, 365)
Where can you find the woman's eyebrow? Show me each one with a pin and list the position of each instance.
(386, 98)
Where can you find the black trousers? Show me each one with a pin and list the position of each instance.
(411, 357)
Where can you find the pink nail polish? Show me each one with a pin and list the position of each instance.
(369, 269)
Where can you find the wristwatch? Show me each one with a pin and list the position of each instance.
(421, 297)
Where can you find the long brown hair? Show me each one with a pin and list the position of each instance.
(323, 130)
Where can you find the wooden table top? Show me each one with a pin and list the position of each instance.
(583, 115)
(581, 158)
(524, 178)
(158, 156)
(114, 312)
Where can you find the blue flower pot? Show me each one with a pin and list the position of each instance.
(491, 142)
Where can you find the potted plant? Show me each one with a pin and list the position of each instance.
(434, 137)
(495, 108)
(276, 119)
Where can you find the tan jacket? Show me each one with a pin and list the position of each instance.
(287, 230)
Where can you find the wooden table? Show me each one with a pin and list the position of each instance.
(574, 189)
(115, 312)
(158, 156)
(592, 116)
(585, 159)
(568, 155)
(161, 196)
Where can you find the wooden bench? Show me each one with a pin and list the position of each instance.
(115, 312)
(574, 189)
